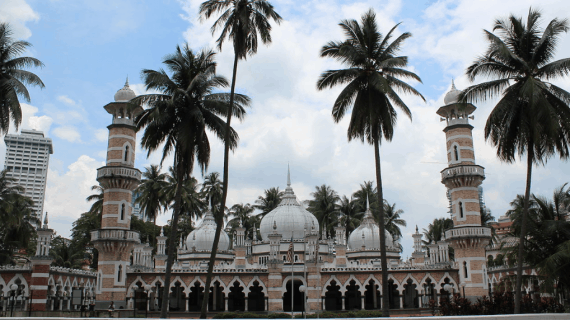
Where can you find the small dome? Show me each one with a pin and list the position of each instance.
(289, 218)
(368, 234)
(203, 237)
(125, 93)
(453, 95)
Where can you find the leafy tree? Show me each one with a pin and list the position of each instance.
(81, 235)
(269, 201)
(532, 116)
(17, 230)
(373, 80)
(351, 217)
(177, 120)
(212, 190)
(393, 220)
(193, 203)
(241, 21)
(435, 229)
(324, 207)
(13, 77)
(65, 254)
(243, 213)
(152, 196)
(360, 196)
(97, 206)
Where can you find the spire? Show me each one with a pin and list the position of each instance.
(453, 84)
(417, 228)
(367, 203)
(127, 82)
(162, 231)
(288, 176)
(46, 221)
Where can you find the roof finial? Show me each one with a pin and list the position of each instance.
(46, 221)
(367, 203)
(162, 231)
(127, 82)
(288, 176)
(416, 228)
(453, 84)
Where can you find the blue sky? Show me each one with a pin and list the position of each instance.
(90, 47)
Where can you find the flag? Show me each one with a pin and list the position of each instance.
(290, 252)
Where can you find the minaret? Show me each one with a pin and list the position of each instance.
(119, 178)
(462, 177)
(418, 254)
(40, 267)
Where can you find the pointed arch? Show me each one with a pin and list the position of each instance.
(3, 286)
(451, 281)
(230, 284)
(23, 281)
(74, 284)
(133, 283)
(261, 284)
(182, 284)
(426, 277)
(347, 283)
(287, 279)
(414, 281)
(328, 283)
(373, 278)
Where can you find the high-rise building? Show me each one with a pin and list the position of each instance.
(27, 159)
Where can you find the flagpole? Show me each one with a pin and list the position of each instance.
(292, 277)
(305, 272)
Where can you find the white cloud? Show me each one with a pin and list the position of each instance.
(66, 191)
(101, 134)
(68, 133)
(65, 99)
(17, 13)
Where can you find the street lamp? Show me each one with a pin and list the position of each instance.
(135, 288)
(13, 288)
(303, 288)
(147, 288)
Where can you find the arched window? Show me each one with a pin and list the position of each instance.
(454, 151)
(122, 211)
(126, 153)
(465, 269)
(120, 273)
(460, 209)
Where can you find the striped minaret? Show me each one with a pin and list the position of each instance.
(40, 267)
(119, 178)
(462, 177)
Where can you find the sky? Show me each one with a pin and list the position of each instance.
(90, 47)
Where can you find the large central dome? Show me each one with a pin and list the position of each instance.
(289, 218)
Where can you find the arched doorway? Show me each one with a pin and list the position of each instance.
(236, 298)
(195, 297)
(256, 298)
(333, 297)
(216, 297)
(177, 298)
(352, 297)
(298, 296)
(140, 297)
(372, 296)
(429, 293)
(393, 295)
(410, 295)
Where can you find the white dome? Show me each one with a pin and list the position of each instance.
(125, 93)
(203, 237)
(368, 234)
(452, 96)
(288, 218)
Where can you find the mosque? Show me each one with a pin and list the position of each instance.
(337, 273)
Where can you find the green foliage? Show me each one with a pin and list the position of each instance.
(269, 201)
(81, 236)
(67, 253)
(324, 207)
(243, 213)
(13, 79)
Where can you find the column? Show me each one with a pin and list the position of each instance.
(362, 302)
(343, 298)
(226, 301)
(401, 301)
(246, 304)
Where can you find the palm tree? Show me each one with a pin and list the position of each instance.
(373, 80)
(269, 201)
(97, 206)
(212, 189)
(242, 213)
(324, 207)
(13, 78)
(393, 220)
(241, 21)
(532, 115)
(177, 120)
(561, 201)
(351, 217)
(436, 229)
(8, 192)
(192, 201)
(366, 191)
(151, 193)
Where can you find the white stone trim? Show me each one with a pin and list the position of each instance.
(39, 300)
(112, 289)
(465, 189)
(40, 275)
(121, 136)
(459, 136)
(117, 190)
(36, 287)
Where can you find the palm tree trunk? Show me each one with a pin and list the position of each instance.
(518, 291)
(384, 262)
(172, 243)
(154, 232)
(220, 213)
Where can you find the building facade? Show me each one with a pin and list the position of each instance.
(27, 160)
(290, 266)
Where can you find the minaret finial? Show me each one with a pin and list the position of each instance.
(453, 84)
(288, 176)
(46, 221)
(127, 82)
(367, 203)
(417, 228)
